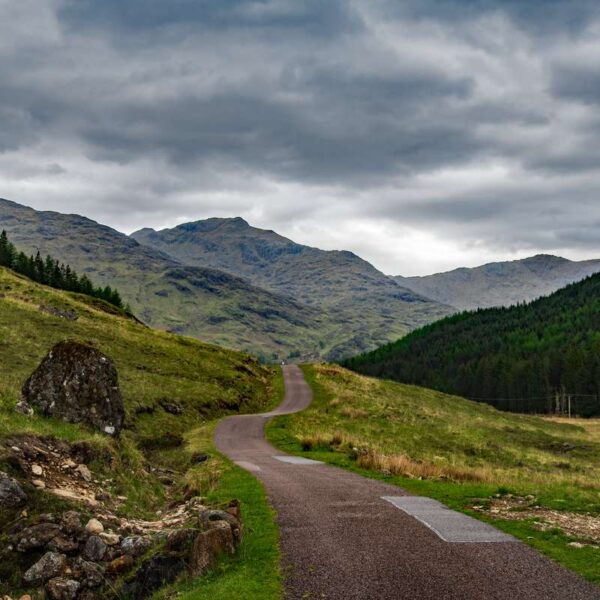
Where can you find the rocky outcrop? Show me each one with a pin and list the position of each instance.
(79, 384)
(11, 492)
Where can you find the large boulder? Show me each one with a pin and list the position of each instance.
(77, 383)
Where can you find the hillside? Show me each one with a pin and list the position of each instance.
(533, 477)
(501, 283)
(201, 302)
(174, 388)
(528, 358)
(363, 305)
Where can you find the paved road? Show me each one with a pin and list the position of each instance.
(341, 541)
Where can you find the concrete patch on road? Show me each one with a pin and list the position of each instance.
(449, 525)
(247, 465)
(297, 460)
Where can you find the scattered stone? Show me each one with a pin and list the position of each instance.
(179, 539)
(77, 495)
(69, 315)
(120, 564)
(94, 527)
(79, 384)
(172, 408)
(70, 523)
(49, 566)
(37, 470)
(69, 464)
(38, 483)
(89, 574)
(199, 457)
(153, 574)
(210, 518)
(85, 473)
(135, 545)
(11, 492)
(110, 539)
(63, 544)
(24, 408)
(208, 545)
(95, 548)
(36, 536)
(61, 588)
(576, 545)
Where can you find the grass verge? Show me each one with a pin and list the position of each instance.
(459, 452)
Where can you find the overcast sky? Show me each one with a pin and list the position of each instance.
(422, 135)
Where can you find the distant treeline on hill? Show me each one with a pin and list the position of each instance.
(51, 272)
(538, 357)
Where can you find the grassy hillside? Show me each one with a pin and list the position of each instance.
(535, 478)
(516, 358)
(363, 308)
(204, 303)
(174, 389)
(501, 283)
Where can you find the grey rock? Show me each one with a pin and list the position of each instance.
(95, 548)
(51, 565)
(89, 574)
(153, 574)
(135, 545)
(209, 518)
(208, 545)
(11, 492)
(24, 408)
(36, 536)
(71, 524)
(79, 384)
(61, 588)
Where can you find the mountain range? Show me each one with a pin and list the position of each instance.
(501, 283)
(228, 283)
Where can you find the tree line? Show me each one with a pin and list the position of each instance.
(53, 273)
(541, 357)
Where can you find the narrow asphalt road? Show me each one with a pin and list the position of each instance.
(341, 541)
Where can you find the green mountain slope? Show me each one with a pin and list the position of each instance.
(205, 303)
(528, 358)
(364, 307)
(502, 283)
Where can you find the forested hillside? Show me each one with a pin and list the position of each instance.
(537, 357)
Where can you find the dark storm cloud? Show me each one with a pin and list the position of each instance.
(459, 119)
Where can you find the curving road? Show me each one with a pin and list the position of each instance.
(341, 540)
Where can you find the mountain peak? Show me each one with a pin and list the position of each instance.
(213, 223)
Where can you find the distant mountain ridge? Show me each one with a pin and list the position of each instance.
(368, 305)
(501, 283)
(306, 303)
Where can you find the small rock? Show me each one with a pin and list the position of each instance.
(94, 527)
(69, 464)
(36, 536)
(120, 564)
(198, 458)
(95, 549)
(208, 545)
(11, 492)
(179, 539)
(135, 545)
(576, 545)
(61, 588)
(153, 574)
(37, 470)
(63, 544)
(50, 565)
(210, 518)
(85, 473)
(25, 597)
(24, 408)
(110, 539)
(38, 483)
(70, 523)
(89, 574)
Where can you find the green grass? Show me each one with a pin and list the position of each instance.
(155, 368)
(254, 571)
(470, 451)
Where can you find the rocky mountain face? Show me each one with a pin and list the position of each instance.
(502, 283)
(202, 302)
(363, 307)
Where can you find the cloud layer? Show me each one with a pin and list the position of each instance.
(422, 135)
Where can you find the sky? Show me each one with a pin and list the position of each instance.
(422, 135)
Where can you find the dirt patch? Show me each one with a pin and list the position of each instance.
(519, 508)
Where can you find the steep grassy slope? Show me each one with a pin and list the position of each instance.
(502, 283)
(516, 358)
(535, 478)
(205, 303)
(363, 306)
(157, 371)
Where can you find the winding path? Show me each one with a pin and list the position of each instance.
(341, 540)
